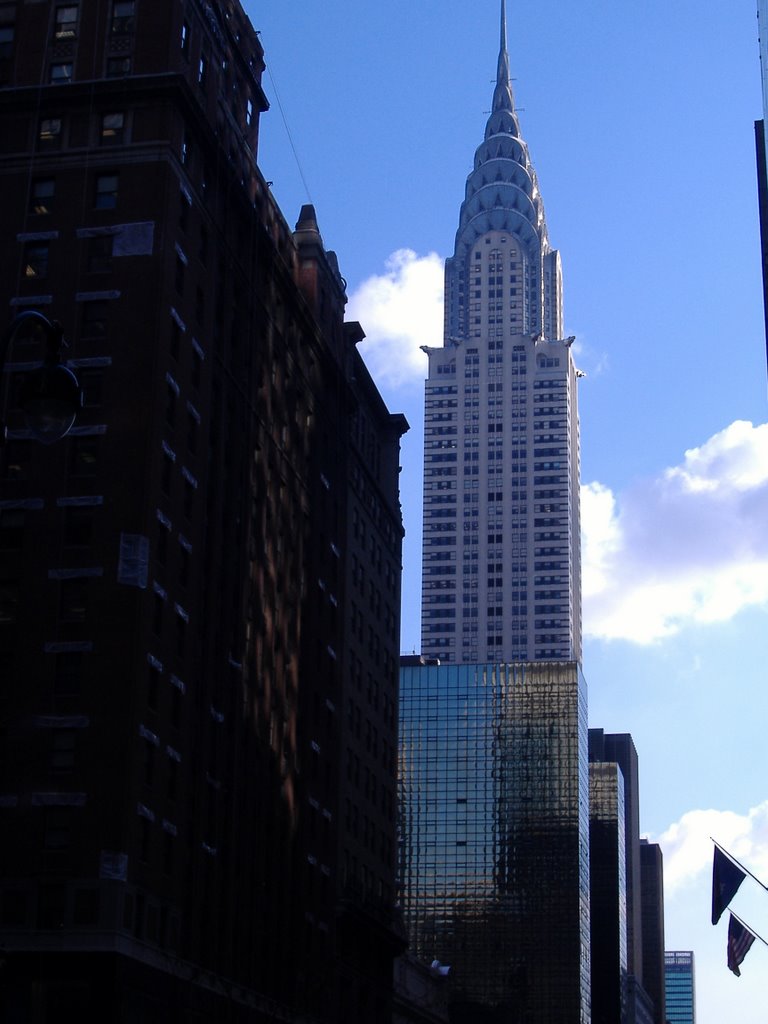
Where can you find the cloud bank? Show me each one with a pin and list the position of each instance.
(400, 310)
(687, 846)
(689, 546)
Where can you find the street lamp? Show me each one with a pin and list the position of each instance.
(50, 395)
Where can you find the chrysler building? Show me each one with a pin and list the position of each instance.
(501, 548)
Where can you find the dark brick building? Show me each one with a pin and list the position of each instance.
(199, 587)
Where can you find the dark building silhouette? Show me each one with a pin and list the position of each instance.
(199, 587)
(644, 992)
(607, 893)
(620, 748)
(652, 884)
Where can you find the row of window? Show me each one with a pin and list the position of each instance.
(104, 190)
(98, 257)
(111, 130)
(66, 21)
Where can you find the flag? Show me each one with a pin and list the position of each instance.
(726, 879)
(740, 941)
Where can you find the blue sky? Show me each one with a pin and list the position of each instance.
(639, 118)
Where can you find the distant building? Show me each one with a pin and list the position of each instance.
(644, 996)
(681, 987)
(199, 587)
(652, 887)
(620, 748)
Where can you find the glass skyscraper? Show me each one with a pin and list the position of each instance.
(495, 822)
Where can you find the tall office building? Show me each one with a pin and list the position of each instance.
(494, 871)
(680, 986)
(199, 587)
(644, 997)
(652, 887)
(620, 749)
(501, 549)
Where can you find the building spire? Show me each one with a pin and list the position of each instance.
(502, 94)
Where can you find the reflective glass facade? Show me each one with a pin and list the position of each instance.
(494, 861)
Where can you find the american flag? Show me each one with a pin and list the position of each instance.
(740, 941)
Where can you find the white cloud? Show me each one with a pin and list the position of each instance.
(687, 847)
(400, 310)
(687, 547)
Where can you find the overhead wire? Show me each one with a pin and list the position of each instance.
(288, 133)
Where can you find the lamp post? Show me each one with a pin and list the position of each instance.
(50, 395)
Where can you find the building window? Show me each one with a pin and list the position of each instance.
(78, 525)
(85, 454)
(202, 71)
(11, 529)
(175, 345)
(56, 830)
(184, 207)
(67, 673)
(49, 134)
(193, 423)
(170, 404)
(185, 39)
(61, 74)
(9, 602)
(123, 17)
(179, 275)
(157, 615)
(183, 566)
(99, 259)
(93, 323)
(118, 67)
(105, 197)
(63, 750)
(112, 128)
(6, 41)
(91, 382)
(36, 259)
(65, 25)
(73, 601)
(41, 196)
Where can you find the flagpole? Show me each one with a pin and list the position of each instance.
(740, 865)
(749, 927)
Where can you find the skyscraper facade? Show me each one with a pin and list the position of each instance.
(501, 548)
(494, 836)
(652, 888)
(199, 587)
